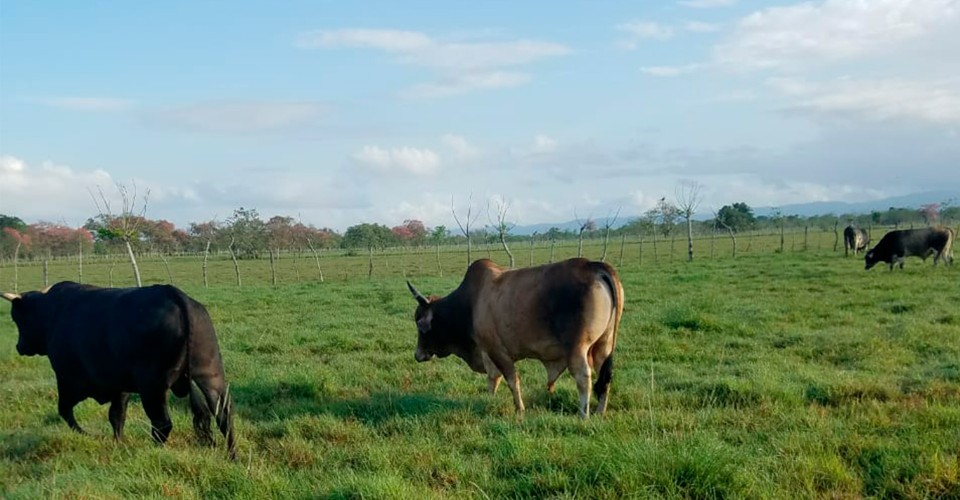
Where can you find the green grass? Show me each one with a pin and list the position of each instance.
(768, 376)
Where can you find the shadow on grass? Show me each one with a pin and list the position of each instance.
(18, 445)
(260, 402)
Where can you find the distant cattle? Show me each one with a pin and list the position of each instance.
(895, 246)
(565, 314)
(107, 343)
(855, 239)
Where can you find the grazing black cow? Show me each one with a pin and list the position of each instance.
(895, 246)
(106, 343)
(855, 239)
(565, 314)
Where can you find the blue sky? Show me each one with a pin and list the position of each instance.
(342, 112)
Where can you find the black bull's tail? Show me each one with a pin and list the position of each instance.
(203, 377)
(605, 376)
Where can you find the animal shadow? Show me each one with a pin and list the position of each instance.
(270, 401)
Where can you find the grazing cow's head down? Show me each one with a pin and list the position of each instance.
(32, 340)
(430, 338)
(870, 260)
(443, 328)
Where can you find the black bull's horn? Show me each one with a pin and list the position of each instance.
(417, 295)
(13, 296)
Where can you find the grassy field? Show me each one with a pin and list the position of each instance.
(769, 376)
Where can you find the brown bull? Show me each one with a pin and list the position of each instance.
(566, 315)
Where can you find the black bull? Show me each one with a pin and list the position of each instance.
(107, 343)
(895, 246)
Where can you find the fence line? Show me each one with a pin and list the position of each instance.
(299, 265)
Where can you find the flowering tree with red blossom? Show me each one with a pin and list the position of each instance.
(411, 232)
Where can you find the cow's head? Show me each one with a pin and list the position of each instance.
(23, 310)
(432, 338)
(870, 259)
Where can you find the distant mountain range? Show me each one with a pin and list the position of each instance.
(915, 200)
(802, 209)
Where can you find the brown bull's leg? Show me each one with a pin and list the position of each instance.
(554, 370)
(509, 371)
(493, 375)
(493, 382)
(118, 414)
(580, 368)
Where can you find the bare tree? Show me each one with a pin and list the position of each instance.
(124, 226)
(733, 237)
(233, 255)
(19, 238)
(316, 257)
(205, 232)
(465, 227)
(623, 243)
(777, 217)
(273, 268)
(608, 224)
(206, 255)
(584, 225)
(438, 234)
(836, 233)
(688, 200)
(502, 226)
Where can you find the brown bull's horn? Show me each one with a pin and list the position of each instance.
(417, 295)
(11, 296)
(47, 289)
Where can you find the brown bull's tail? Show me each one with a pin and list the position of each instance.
(605, 375)
(947, 252)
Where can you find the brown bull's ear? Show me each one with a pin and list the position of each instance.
(417, 295)
(11, 296)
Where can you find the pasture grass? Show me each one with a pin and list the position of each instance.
(769, 376)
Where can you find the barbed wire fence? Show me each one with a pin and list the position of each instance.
(218, 269)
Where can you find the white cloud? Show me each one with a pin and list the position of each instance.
(48, 189)
(241, 116)
(11, 165)
(543, 144)
(462, 66)
(930, 101)
(643, 30)
(398, 160)
(58, 193)
(809, 33)
(647, 29)
(93, 104)
(707, 4)
(700, 27)
(668, 71)
(460, 147)
(388, 40)
(463, 84)
(419, 49)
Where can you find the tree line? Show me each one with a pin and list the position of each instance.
(247, 235)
